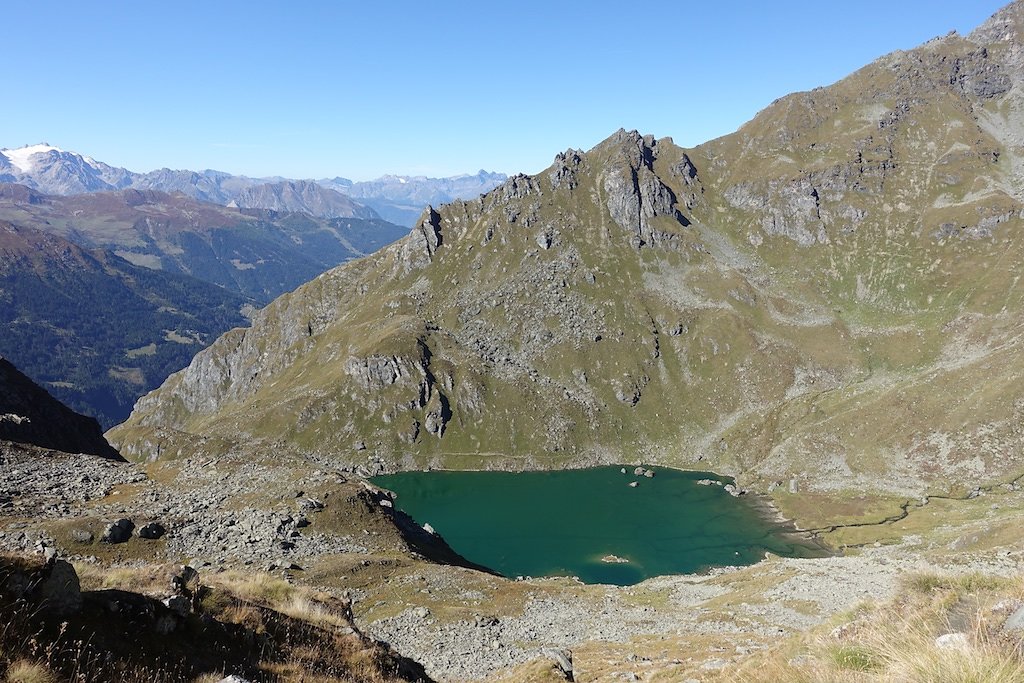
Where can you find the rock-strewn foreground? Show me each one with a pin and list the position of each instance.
(326, 529)
(824, 302)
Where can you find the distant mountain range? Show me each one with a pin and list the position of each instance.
(254, 252)
(104, 294)
(400, 199)
(111, 280)
(302, 196)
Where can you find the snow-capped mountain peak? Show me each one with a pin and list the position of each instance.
(53, 170)
(21, 158)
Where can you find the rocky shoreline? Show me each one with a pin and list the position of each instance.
(459, 623)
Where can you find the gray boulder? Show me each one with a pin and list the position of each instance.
(1015, 622)
(82, 536)
(953, 641)
(563, 660)
(61, 590)
(118, 532)
(152, 531)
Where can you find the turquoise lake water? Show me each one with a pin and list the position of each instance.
(590, 523)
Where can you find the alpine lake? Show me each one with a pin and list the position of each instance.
(593, 524)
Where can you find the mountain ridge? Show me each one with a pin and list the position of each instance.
(767, 305)
(53, 171)
(302, 196)
(401, 198)
(256, 252)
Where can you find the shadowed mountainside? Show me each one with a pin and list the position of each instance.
(97, 331)
(28, 414)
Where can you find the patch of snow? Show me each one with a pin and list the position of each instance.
(21, 158)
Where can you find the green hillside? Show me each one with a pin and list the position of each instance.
(95, 330)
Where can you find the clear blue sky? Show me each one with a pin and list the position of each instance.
(325, 88)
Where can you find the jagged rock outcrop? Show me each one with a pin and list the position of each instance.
(635, 194)
(418, 249)
(28, 414)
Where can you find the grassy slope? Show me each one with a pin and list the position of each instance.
(97, 331)
(252, 624)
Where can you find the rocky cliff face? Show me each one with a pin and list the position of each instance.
(305, 197)
(827, 297)
(30, 415)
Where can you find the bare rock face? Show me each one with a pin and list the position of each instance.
(564, 172)
(635, 193)
(28, 414)
(419, 247)
(376, 372)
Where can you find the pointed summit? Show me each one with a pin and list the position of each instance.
(1006, 25)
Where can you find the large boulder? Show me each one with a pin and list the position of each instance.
(118, 532)
(60, 591)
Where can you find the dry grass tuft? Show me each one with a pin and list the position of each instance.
(147, 579)
(24, 671)
(209, 678)
(308, 609)
(898, 642)
(922, 582)
(245, 624)
(255, 587)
